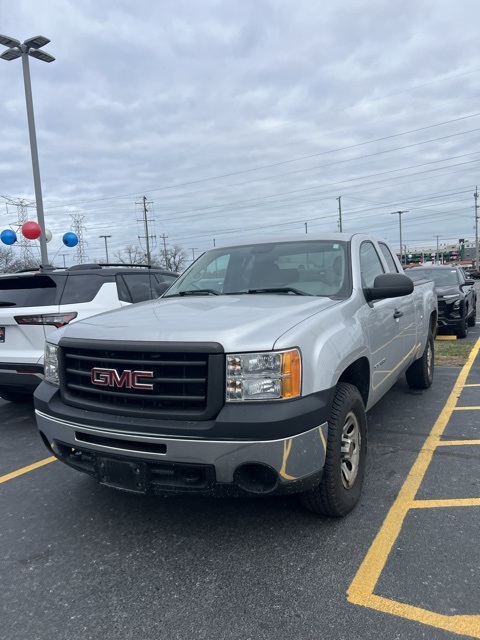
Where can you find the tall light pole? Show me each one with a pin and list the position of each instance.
(475, 195)
(16, 49)
(106, 246)
(400, 222)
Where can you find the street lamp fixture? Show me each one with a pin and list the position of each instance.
(16, 49)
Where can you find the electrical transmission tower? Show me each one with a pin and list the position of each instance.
(26, 254)
(78, 229)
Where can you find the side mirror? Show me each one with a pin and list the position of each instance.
(389, 285)
(470, 282)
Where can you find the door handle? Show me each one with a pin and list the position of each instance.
(398, 314)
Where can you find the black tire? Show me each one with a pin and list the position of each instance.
(462, 331)
(420, 373)
(342, 480)
(473, 317)
(16, 396)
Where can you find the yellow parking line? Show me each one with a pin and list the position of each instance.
(466, 408)
(361, 590)
(457, 443)
(30, 467)
(436, 504)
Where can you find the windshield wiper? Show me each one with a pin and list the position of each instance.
(192, 292)
(8, 304)
(280, 290)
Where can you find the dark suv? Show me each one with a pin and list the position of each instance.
(457, 297)
(35, 303)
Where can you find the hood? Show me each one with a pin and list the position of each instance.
(252, 322)
(447, 290)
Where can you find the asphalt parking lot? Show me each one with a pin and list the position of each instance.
(81, 561)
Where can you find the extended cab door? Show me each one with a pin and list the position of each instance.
(384, 324)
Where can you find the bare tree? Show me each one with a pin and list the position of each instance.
(131, 254)
(174, 259)
(9, 262)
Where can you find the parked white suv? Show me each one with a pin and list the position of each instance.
(35, 303)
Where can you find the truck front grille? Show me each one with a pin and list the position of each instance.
(155, 381)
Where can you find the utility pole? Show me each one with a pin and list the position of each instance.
(340, 215)
(400, 222)
(164, 238)
(437, 255)
(306, 227)
(145, 222)
(475, 195)
(193, 253)
(106, 247)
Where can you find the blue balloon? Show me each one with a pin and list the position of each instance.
(70, 239)
(8, 236)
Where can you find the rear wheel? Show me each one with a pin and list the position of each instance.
(420, 373)
(341, 484)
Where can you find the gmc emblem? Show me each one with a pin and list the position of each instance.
(128, 379)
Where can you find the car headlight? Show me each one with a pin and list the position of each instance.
(273, 375)
(51, 364)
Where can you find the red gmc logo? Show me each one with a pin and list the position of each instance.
(128, 379)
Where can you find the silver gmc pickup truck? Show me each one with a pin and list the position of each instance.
(251, 375)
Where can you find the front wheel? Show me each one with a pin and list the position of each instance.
(345, 456)
(473, 317)
(420, 373)
(462, 331)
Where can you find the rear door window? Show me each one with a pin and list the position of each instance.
(138, 287)
(31, 291)
(82, 288)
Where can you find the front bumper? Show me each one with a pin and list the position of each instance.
(139, 460)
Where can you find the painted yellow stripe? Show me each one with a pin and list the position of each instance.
(436, 504)
(472, 385)
(467, 409)
(466, 625)
(361, 590)
(457, 443)
(446, 338)
(31, 467)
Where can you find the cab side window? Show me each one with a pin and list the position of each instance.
(392, 267)
(370, 264)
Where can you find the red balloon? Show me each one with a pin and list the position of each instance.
(31, 230)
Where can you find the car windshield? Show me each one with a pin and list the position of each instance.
(319, 268)
(441, 277)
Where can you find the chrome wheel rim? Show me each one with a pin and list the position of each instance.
(350, 450)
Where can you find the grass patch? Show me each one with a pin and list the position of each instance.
(452, 353)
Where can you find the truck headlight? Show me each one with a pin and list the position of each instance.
(51, 364)
(273, 375)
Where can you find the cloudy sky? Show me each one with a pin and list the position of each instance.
(245, 118)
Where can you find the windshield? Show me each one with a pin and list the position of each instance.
(319, 268)
(442, 277)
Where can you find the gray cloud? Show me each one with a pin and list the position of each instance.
(246, 117)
